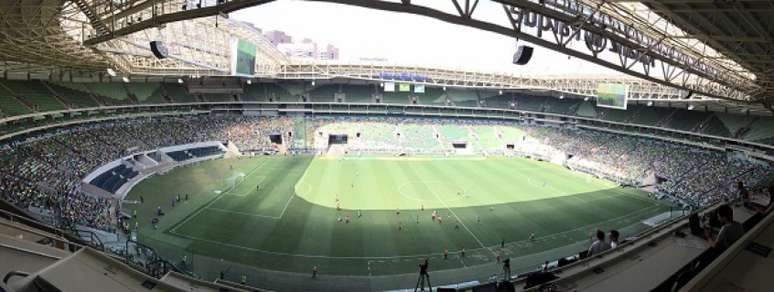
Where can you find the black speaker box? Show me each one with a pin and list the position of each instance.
(522, 55)
(159, 49)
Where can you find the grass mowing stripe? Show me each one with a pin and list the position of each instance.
(403, 256)
(459, 220)
(509, 195)
(208, 204)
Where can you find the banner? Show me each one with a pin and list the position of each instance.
(404, 87)
(243, 58)
(612, 95)
(389, 87)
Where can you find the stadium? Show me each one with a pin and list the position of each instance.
(181, 145)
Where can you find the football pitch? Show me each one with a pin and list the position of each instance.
(373, 216)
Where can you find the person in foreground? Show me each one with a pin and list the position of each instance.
(730, 232)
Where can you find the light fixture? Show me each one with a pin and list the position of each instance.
(180, 80)
(444, 88)
(249, 82)
(586, 98)
(690, 107)
(111, 72)
(650, 103)
(501, 92)
(125, 79)
(313, 83)
(561, 96)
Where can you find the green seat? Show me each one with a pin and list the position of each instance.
(34, 93)
(74, 94)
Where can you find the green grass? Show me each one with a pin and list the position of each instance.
(290, 223)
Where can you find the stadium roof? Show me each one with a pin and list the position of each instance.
(742, 30)
(673, 45)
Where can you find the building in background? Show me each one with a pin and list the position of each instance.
(277, 37)
(331, 53)
(305, 49)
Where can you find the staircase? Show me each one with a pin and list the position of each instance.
(667, 119)
(741, 132)
(702, 125)
(94, 19)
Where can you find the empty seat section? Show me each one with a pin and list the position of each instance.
(431, 96)
(686, 120)
(359, 93)
(395, 97)
(560, 106)
(714, 126)
(761, 130)
(650, 116)
(150, 93)
(255, 92)
(75, 94)
(111, 93)
(530, 103)
(323, 93)
(9, 106)
(462, 97)
(734, 123)
(616, 115)
(499, 101)
(178, 93)
(213, 97)
(35, 93)
(587, 109)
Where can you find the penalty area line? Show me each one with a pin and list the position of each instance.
(200, 210)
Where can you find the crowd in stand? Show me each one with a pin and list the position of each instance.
(695, 176)
(45, 171)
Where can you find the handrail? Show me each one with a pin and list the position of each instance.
(14, 274)
(717, 264)
(603, 255)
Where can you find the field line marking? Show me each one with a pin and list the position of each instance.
(242, 213)
(199, 211)
(383, 257)
(459, 220)
(263, 177)
(616, 219)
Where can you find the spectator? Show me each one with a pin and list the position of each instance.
(614, 238)
(599, 245)
(730, 232)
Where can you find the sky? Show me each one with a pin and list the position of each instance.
(406, 39)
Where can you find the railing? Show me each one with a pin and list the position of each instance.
(614, 254)
(59, 238)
